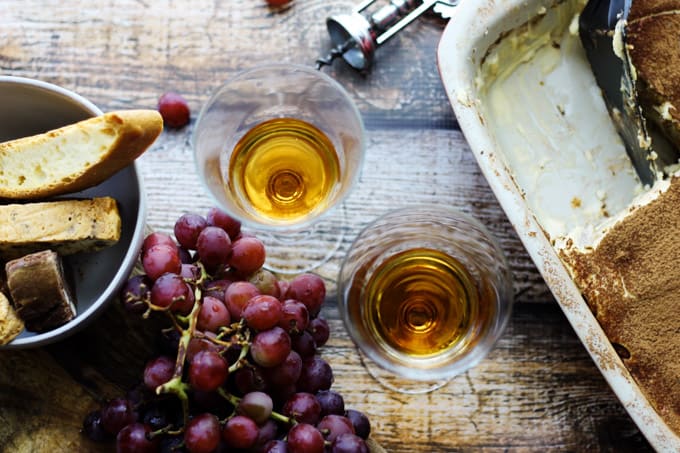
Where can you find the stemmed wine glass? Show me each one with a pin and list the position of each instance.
(425, 292)
(278, 147)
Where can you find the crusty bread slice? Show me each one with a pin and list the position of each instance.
(77, 156)
(65, 226)
(39, 290)
(11, 324)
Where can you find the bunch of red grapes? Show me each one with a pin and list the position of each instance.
(239, 370)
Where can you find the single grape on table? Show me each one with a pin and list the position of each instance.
(239, 368)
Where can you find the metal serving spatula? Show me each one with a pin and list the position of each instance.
(602, 33)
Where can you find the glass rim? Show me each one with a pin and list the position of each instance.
(383, 355)
(282, 227)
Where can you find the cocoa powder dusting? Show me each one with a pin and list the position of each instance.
(631, 281)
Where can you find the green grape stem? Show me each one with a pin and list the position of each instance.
(175, 385)
(242, 355)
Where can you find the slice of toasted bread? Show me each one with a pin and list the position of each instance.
(65, 226)
(77, 156)
(11, 324)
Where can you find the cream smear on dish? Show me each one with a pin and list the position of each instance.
(552, 127)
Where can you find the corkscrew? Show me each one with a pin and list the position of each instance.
(356, 36)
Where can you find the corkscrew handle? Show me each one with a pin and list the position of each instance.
(356, 36)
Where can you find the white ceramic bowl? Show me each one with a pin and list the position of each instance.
(31, 107)
(526, 100)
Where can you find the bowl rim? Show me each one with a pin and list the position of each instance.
(82, 319)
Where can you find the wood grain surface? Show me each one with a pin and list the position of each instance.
(537, 391)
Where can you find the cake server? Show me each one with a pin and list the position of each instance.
(603, 35)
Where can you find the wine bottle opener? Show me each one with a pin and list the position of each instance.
(356, 36)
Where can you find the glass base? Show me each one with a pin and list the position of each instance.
(297, 252)
(397, 383)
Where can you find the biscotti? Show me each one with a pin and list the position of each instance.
(64, 226)
(11, 324)
(77, 156)
(38, 288)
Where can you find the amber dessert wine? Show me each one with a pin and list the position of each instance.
(424, 292)
(283, 171)
(422, 302)
(280, 147)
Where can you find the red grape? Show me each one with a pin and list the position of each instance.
(237, 296)
(200, 344)
(294, 317)
(213, 246)
(223, 220)
(267, 432)
(157, 238)
(349, 443)
(333, 425)
(248, 255)
(213, 314)
(216, 288)
(305, 438)
(303, 407)
(304, 344)
(331, 402)
(240, 432)
(361, 424)
(157, 416)
(250, 379)
(320, 331)
(207, 370)
(187, 229)
(158, 371)
(308, 289)
(286, 373)
(277, 3)
(160, 259)
(134, 438)
(170, 290)
(202, 434)
(135, 294)
(316, 375)
(174, 109)
(116, 414)
(270, 347)
(262, 312)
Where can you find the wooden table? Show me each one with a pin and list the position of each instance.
(537, 391)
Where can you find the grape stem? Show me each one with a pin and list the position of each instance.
(176, 385)
(242, 355)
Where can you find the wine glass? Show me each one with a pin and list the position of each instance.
(278, 147)
(424, 292)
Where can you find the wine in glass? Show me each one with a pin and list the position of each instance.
(278, 147)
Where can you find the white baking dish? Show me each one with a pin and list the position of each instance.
(528, 105)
